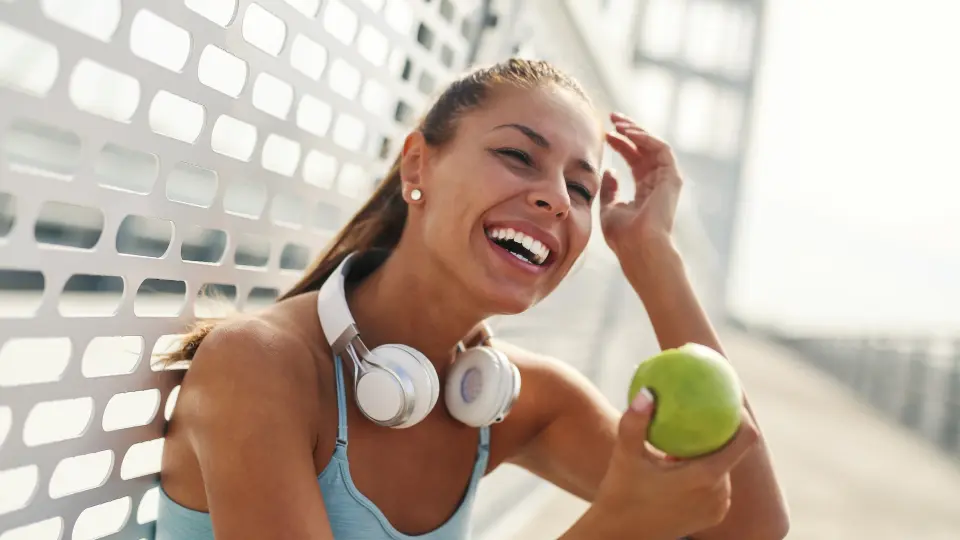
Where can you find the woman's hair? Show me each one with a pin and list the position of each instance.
(379, 223)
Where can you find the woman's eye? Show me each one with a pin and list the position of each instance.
(582, 191)
(515, 154)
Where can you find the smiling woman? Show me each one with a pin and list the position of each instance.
(484, 212)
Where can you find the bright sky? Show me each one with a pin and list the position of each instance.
(851, 211)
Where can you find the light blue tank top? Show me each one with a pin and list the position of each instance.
(352, 515)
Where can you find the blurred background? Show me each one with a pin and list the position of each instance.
(162, 158)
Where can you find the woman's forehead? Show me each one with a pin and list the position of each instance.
(555, 112)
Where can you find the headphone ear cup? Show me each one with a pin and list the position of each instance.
(422, 383)
(480, 386)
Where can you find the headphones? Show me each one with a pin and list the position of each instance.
(397, 386)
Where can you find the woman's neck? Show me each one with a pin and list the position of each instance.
(407, 300)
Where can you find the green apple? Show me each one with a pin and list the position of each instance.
(698, 400)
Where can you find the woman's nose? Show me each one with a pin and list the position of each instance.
(553, 198)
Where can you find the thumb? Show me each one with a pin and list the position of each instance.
(608, 188)
(635, 423)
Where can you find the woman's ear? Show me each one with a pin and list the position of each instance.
(412, 161)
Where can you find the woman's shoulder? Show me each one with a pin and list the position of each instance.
(266, 357)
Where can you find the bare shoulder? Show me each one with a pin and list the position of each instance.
(251, 365)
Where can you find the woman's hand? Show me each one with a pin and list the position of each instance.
(650, 215)
(644, 495)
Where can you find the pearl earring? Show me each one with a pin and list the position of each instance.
(416, 194)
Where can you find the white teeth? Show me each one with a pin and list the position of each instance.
(539, 250)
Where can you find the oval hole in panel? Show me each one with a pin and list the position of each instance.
(144, 236)
(215, 300)
(48, 529)
(203, 245)
(167, 344)
(98, 18)
(314, 116)
(160, 298)
(41, 150)
(447, 10)
(131, 409)
(308, 57)
(21, 293)
(373, 45)
(158, 40)
(106, 356)
(340, 21)
(29, 64)
(425, 36)
(272, 95)
(327, 217)
(280, 155)
(171, 403)
(427, 83)
(344, 79)
(261, 297)
(53, 421)
(288, 211)
(375, 98)
(6, 420)
(19, 486)
(222, 71)
(149, 504)
(104, 91)
(447, 56)
(125, 169)
(26, 361)
(68, 225)
(176, 117)
(353, 181)
(86, 295)
(141, 459)
(264, 30)
(102, 520)
(8, 216)
(234, 138)
(320, 169)
(245, 198)
(253, 251)
(294, 257)
(80, 473)
(399, 15)
(190, 184)
(349, 132)
(219, 12)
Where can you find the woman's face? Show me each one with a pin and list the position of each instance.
(506, 205)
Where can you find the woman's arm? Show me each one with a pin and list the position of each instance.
(657, 274)
(248, 407)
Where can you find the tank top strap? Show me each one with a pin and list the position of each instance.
(485, 438)
(341, 404)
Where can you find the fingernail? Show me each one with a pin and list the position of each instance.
(642, 401)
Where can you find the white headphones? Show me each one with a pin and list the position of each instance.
(397, 386)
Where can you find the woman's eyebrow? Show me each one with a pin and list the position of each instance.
(542, 142)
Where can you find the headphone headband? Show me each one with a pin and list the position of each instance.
(338, 324)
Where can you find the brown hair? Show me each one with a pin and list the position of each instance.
(379, 223)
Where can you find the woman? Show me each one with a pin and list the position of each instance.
(257, 447)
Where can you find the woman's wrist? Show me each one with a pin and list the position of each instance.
(647, 263)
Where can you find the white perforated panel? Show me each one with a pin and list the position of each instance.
(158, 158)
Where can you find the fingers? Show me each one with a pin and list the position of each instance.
(608, 188)
(635, 423)
(648, 147)
(730, 455)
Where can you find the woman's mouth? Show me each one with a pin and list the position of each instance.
(522, 246)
